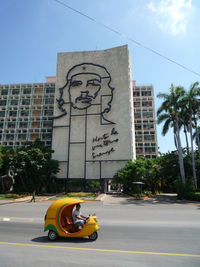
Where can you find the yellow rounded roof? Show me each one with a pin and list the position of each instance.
(63, 201)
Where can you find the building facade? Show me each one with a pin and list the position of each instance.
(26, 113)
(93, 126)
(145, 122)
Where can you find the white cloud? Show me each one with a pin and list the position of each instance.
(172, 15)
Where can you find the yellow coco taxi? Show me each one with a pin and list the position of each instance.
(58, 221)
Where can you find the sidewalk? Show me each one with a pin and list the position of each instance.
(119, 198)
(114, 198)
(23, 199)
(29, 199)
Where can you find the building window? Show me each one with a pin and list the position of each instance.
(4, 92)
(147, 103)
(136, 104)
(2, 113)
(146, 93)
(14, 102)
(140, 144)
(22, 136)
(48, 112)
(150, 149)
(46, 135)
(11, 124)
(9, 136)
(15, 91)
(2, 102)
(48, 143)
(149, 137)
(138, 137)
(138, 126)
(49, 101)
(12, 113)
(24, 112)
(23, 124)
(50, 90)
(146, 114)
(148, 126)
(47, 123)
(27, 91)
(139, 150)
(137, 115)
(136, 93)
(25, 101)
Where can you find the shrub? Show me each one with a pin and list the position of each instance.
(194, 196)
(83, 185)
(11, 195)
(142, 194)
(81, 195)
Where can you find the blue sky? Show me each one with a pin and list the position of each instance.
(34, 31)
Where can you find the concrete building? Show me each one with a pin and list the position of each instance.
(117, 126)
(145, 122)
(93, 126)
(26, 112)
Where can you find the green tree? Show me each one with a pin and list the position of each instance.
(1, 157)
(190, 103)
(184, 122)
(197, 134)
(33, 164)
(169, 164)
(141, 170)
(171, 106)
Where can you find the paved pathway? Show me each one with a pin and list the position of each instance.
(118, 198)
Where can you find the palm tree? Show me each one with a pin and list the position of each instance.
(184, 120)
(171, 106)
(196, 135)
(168, 123)
(191, 103)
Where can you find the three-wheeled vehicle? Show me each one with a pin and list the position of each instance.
(58, 221)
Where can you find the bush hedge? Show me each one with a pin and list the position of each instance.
(194, 196)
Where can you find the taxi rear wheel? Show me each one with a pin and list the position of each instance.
(93, 236)
(52, 235)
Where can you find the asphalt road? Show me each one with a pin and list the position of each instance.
(132, 234)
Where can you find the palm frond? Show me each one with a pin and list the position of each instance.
(162, 117)
(168, 123)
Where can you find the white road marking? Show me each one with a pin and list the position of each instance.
(16, 220)
(6, 219)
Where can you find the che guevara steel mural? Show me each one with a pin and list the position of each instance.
(86, 100)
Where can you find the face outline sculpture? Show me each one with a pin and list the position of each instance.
(83, 89)
(86, 84)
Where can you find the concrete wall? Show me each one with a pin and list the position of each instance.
(93, 133)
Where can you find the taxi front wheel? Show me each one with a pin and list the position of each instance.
(93, 236)
(52, 235)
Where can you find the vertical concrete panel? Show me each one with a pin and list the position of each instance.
(63, 170)
(77, 162)
(92, 170)
(94, 100)
(60, 141)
